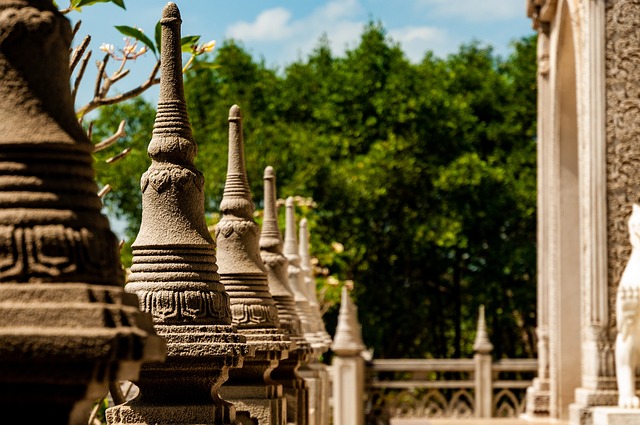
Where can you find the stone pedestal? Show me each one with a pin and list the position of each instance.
(67, 328)
(174, 271)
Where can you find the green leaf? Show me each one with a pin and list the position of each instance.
(188, 42)
(138, 35)
(158, 36)
(80, 3)
(119, 3)
(204, 65)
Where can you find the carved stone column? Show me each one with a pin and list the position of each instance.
(319, 370)
(67, 327)
(255, 395)
(174, 270)
(538, 395)
(286, 373)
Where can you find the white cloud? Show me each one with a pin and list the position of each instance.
(476, 10)
(342, 21)
(270, 25)
(415, 41)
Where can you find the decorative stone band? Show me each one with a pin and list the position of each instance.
(179, 285)
(57, 253)
(162, 178)
(251, 304)
(240, 227)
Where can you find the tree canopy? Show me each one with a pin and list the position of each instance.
(421, 176)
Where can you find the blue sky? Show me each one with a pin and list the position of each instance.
(285, 30)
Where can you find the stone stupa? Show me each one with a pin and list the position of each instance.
(254, 312)
(67, 328)
(174, 270)
(295, 387)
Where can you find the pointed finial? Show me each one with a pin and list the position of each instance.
(236, 199)
(290, 239)
(270, 238)
(172, 139)
(482, 345)
(348, 338)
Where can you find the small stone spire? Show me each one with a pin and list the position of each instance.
(174, 269)
(310, 282)
(348, 338)
(67, 327)
(482, 345)
(276, 263)
(296, 276)
(253, 309)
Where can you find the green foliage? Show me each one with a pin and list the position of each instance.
(422, 178)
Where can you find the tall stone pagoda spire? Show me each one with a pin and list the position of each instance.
(67, 327)
(310, 282)
(174, 270)
(297, 281)
(250, 388)
(276, 263)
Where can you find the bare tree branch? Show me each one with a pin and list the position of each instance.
(78, 52)
(111, 139)
(101, 67)
(83, 66)
(119, 156)
(100, 99)
(105, 189)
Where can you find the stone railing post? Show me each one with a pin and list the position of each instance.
(483, 376)
(174, 271)
(67, 328)
(348, 366)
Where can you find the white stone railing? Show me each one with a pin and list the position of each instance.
(447, 388)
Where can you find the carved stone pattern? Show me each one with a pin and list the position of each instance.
(57, 253)
(273, 260)
(162, 179)
(253, 314)
(172, 306)
(623, 133)
(240, 227)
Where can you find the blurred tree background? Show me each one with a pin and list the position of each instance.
(417, 179)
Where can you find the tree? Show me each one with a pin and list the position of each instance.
(422, 178)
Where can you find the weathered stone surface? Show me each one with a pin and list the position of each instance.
(174, 270)
(295, 388)
(66, 326)
(253, 310)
